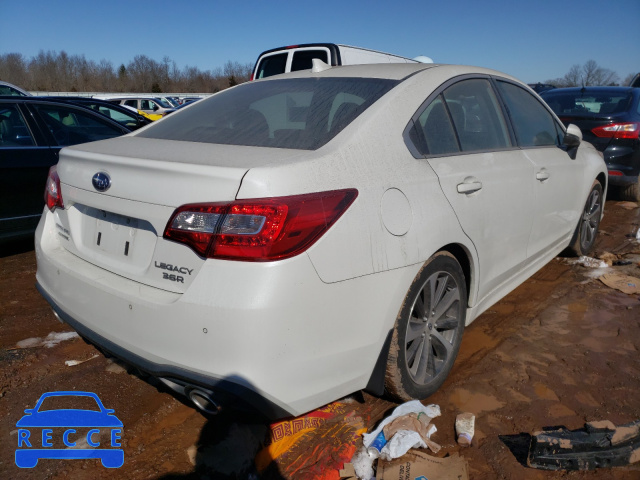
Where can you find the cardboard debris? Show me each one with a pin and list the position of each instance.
(623, 283)
(347, 472)
(416, 463)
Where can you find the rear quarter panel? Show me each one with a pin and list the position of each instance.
(370, 155)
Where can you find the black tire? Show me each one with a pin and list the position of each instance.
(584, 238)
(630, 193)
(426, 341)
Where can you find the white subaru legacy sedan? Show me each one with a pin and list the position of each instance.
(292, 240)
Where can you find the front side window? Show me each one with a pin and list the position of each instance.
(533, 124)
(272, 65)
(294, 113)
(13, 129)
(70, 126)
(476, 115)
(147, 105)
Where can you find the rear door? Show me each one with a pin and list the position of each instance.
(485, 179)
(25, 158)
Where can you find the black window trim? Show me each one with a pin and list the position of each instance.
(414, 119)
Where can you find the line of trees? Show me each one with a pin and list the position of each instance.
(588, 75)
(61, 72)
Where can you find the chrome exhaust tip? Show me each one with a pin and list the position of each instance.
(204, 401)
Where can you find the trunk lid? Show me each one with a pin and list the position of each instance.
(587, 123)
(121, 228)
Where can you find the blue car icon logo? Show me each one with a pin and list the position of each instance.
(92, 431)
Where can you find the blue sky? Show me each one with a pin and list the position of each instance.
(531, 40)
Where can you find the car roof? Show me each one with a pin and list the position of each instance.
(591, 89)
(34, 99)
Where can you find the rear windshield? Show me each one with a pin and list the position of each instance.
(302, 113)
(584, 102)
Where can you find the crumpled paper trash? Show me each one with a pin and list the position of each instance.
(408, 426)
(414, 406)
(408, 431)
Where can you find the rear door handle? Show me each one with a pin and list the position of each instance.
(542, 175)
(469, 185)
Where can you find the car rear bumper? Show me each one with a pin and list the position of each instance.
(625, 160)
(272, 333)
(622, 180)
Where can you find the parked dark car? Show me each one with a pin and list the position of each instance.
(32, 132)
(609, 118)
(124, 116)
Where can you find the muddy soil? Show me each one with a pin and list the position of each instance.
(562, 349)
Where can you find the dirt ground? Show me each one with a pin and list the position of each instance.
(562, 349)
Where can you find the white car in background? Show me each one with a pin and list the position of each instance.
(295, 239)
(148, 105)
(293, 58)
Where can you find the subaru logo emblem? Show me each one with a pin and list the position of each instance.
(101, 181)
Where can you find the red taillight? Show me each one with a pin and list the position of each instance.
(618, 130)
(258, 230)
(615, 173)
(52, 191)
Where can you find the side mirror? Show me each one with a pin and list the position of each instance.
(573, 137)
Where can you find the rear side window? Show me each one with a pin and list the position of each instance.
(302, 59)
(293, 113)
(533, 124)
(70, 126)
(272, 65)
(435, 123)
(13, 129)
(476, 116)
